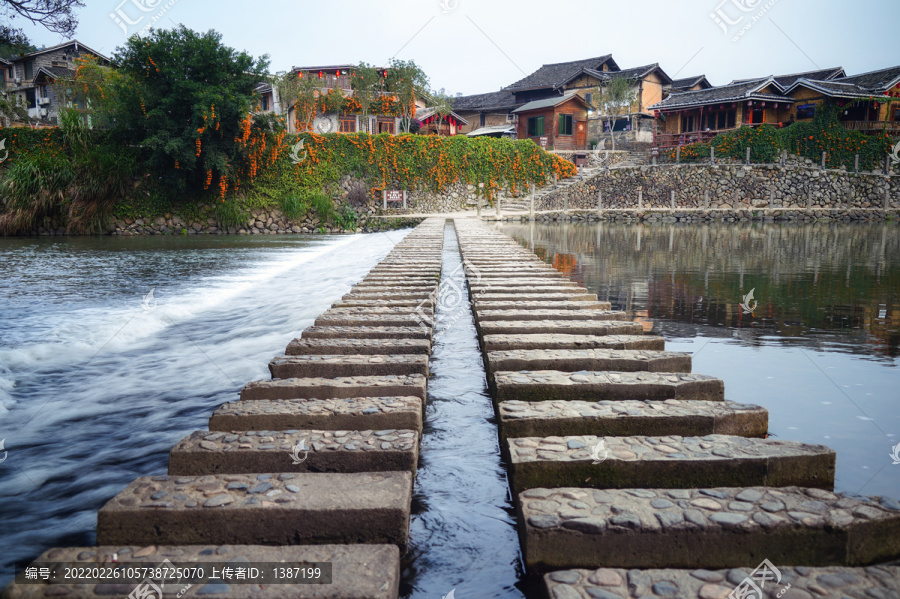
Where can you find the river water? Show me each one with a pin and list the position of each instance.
(98, 381)
(820, 351)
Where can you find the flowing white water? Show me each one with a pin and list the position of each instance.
(98, 380)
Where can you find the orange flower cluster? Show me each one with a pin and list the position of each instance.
(209, 176)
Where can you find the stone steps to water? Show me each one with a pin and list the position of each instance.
(371, 571)
(786, 582)
(336, 388)
(629, 417)
(354, 413)
(509, 342)
(574, 360)
(726, 527)
(242, 452)
(325, 453)
(332, 366)
(543, 385)
(343, 346)
(260, 509)
(673, 462)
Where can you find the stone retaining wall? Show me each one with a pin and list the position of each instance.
(734, 187)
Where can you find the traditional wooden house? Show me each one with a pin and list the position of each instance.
(700, 115)
(558, 123)
(551, 80)
(30, 78)
(493, 109)
(869, 102)
(434, 124)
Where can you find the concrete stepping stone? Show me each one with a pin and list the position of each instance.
(403, 303)
(396, 283)
(543, 385)
(670, 462)
(325, 366)
(386, 290)
(371, 571)
(260, 509)
(303, 347)
(241, 452)
(560, 327)
(723, 527)
(481, 305)
(557, 342)
(572, 360)
(786, 582)
(631, 417)
(327, 319)
(522, 281)
(494, 295)
(424, 309)
(361, 332)
(353, 413)
(336, 388)
(393, 295)
(559, 291)
(544, 315)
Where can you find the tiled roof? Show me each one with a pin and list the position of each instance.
(785, 81)
(502, 100)
(875, 81)
(554, 75)
(716, 95)
(549, 102)
(78, 46)
(834, 89)
(687, 83)
(57, 72)
(639, 73)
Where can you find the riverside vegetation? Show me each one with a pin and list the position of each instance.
(175, 129)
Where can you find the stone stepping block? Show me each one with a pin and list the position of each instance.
(560, 327)
(481, 305)
(490, 274)
(286, 367)
(393, 288)
(522, 281)
(336, 388)
(354, 413)
(404, 279)
(557, 342)
(671, 462)
(371, 571)
(359, 332)
(403, 303)
(631, 417)
(305, 347)
(797, 582)
(572, 360)
(418, 296)
(493, 295)
(554, 290)
(424, 308)
(704, 528)
(392, 282)
(261, 509)
(410, 319)
(241, 452)
(544, 315)
(543, 385)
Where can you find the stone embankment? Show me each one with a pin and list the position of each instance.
(313, 468)
(633, 477)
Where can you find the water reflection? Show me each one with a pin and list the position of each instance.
(820, 349)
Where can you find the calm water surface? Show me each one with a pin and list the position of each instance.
(820, 351)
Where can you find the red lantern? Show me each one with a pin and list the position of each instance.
(321, 74)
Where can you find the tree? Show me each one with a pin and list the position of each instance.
(367, 86)
(89, 96)
(300, 93)
(406, 81)
(442, 104)
(187, 105)
(57, 16)
(617, 97)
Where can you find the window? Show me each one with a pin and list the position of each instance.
(348, 123)
(759, 115)
(565, 124)
(535, 126)
(482, 119)
(806, 111)
(687, 124)
(265, 103)
(29, 70)
(588, 98)
(896, 116)
(30, 100)
(386, 126)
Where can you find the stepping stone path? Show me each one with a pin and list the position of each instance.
(608, 437)
(315, 465)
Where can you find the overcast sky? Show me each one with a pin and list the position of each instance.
(471, 46)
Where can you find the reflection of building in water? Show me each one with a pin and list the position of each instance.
(814, 284)
(643, 317)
